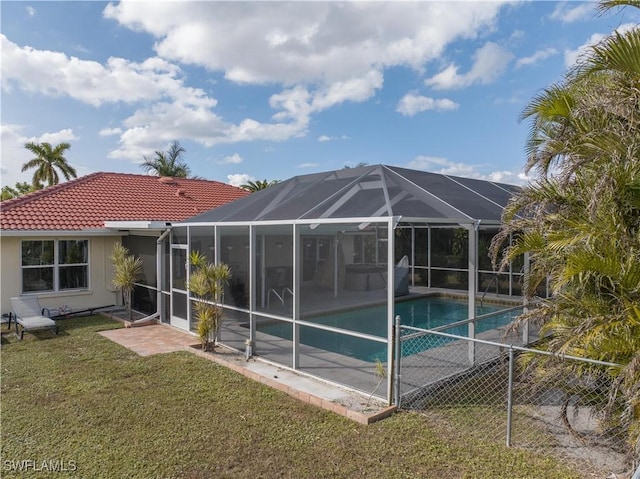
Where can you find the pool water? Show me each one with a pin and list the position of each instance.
(426, 312)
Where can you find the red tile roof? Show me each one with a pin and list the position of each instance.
(89, 201)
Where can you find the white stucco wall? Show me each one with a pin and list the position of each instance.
(100, 292)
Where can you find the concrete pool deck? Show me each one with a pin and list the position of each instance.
(162, 338)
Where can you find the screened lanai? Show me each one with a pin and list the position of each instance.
(321, 262)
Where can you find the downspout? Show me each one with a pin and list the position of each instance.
(159, 273)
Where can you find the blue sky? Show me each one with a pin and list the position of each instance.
(270, 90)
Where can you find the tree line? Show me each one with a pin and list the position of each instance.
(50, 164)
(579, 220)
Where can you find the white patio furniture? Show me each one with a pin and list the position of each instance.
(29, 316)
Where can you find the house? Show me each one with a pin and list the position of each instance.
(318, 263)
(56, 243)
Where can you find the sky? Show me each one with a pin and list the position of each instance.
(271, 90)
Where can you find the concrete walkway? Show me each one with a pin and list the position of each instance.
(161, 338)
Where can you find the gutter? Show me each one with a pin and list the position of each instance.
(61, 233)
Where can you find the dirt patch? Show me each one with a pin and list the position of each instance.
(136, 319)
(583, 447)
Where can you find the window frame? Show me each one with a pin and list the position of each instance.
(56, 266)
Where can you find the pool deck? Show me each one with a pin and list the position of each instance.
(339, 383)
(162, 339)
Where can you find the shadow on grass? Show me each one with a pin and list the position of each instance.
(67, 327)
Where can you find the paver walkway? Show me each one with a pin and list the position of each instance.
(150, 340)
(160, 338)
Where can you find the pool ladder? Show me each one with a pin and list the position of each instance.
(486, 290)
(281, 296)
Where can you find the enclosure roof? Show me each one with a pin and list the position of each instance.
(369, 192)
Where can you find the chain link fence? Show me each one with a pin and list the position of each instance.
(519, 396)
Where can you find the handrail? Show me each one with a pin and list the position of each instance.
(419, 332)
(511, 346)
(495, 278)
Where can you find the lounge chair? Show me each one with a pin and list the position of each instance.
(28, 314)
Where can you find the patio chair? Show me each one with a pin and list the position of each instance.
(28, 315)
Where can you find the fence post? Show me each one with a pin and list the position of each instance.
(509, 396)
(396, 363)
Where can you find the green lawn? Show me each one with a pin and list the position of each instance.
(94, 406)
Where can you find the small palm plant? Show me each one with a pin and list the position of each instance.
(207, 283)
(128, 270)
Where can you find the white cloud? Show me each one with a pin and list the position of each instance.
(436, 164)
(325, 138)
(516, 35)
(490, 61)
(321, 54)
(354, 89)
(508, 177)
(566, 12)
(536, 57)
(571, 57)
(412, 104)
(298, 103)
(119, 80)
(110, 131)
(167, 109)
(14, 154)
(514, 99)
(238, 179)
(308, 165)
(293, 103)
(304, 42)
(232, 159)
(30, 11)
(61, 136)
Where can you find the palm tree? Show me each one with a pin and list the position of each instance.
(258, 185)
(47, 162)
(168, 163)
(127, 271)
(580, 220)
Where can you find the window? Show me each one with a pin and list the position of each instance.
(54, 265)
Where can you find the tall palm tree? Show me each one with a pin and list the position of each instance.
(168, 163)
(580, 219)
(258, 185)
(47, 162)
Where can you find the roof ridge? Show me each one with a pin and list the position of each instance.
(176, 178)
(20, 200)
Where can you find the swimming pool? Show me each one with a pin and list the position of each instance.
(426, 312)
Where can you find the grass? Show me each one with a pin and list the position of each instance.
(79, 397)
